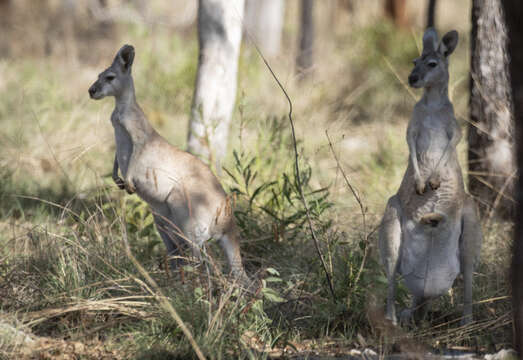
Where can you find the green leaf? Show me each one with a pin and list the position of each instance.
(272, 296)
(259, 189)
(272, 271)
(381, 279)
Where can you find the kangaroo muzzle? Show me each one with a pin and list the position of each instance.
(94, 92)
(413, 79)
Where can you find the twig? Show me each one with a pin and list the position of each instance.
(411, 93)
(349, 185)
(362, 209)
(500, 194)
(298, 178)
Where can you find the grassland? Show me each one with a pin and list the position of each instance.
(65, 274)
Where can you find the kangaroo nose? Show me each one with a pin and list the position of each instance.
(92, 90)
(413, 78)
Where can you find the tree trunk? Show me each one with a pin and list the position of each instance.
(5, 25)
(431, 13)
(219, 36)
(305, 59)
(490, 133)
(68, 19)
(264, 22)
(107, 26)
(514, 12)
(396, 10)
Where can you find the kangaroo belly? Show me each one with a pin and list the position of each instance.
(447, 199)
(429, 260)
(156, 184)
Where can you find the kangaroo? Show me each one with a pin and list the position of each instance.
(188, 203)
(430, 231)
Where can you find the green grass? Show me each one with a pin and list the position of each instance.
(64, 272)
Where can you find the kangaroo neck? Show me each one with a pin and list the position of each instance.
(126, 99)
(131, 116)
(436, 95)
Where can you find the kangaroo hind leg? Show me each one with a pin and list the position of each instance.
(389, 246)
(470, 247)
(230, 243)
(175, 244)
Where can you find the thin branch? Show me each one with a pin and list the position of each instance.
(500, 194)
(362, 209)
(298, 178)
(349, 185)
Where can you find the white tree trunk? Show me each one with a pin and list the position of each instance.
(264, 22)
(5, 27)
(219, 35)
(305, 60)
(68, 18)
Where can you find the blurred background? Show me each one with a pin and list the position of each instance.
(53, 50)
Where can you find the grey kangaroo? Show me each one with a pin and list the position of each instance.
(188, 203)
(430, 231)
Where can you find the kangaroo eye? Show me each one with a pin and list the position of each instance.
(432, 64)
(109, 77)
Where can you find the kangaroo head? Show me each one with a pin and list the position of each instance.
(431, 68)
(114, 80)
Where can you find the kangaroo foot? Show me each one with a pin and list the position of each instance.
(406, 317)
(432, 219)
(248, 285)
(129, 186)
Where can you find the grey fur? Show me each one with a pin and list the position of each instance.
(430, 231)
(188, 202)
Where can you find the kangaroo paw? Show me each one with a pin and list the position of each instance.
(420, 187)
(119, 182)
(434, 182)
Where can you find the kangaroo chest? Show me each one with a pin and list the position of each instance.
(432, 140)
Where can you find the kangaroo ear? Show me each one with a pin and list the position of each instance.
(430, 40)
(125, 57)
(448, 43)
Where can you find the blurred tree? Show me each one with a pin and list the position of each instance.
(431, 13)
(336, 9)
(5, 24)
(107, 24)
(219, 36)
(264, 22)
(514, 12)
(68, 19)
(396, 10)
(304, 60)
(490, 134)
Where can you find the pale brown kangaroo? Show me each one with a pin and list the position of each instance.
(188, 203)
(430, 231)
